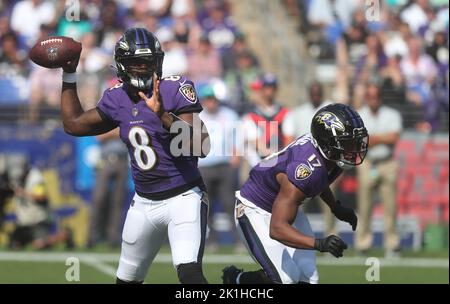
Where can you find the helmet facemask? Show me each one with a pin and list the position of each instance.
(348, 149)
(138, 71)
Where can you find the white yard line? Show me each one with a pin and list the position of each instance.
(100, 266)
(99, 260)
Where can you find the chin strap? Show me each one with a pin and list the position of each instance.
(344, 166)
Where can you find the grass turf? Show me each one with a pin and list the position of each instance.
(162, 273)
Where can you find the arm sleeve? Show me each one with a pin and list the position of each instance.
(301, 177)
(107, 109)
(186, 99)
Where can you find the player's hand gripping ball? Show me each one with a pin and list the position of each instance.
(56, 52)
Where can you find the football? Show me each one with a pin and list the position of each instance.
(53, 52)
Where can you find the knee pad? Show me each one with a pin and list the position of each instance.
(119, 281)
(191, 273)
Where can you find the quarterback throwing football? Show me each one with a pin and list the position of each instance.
(277, 234)
(170, 195)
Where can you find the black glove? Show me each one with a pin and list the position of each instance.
(345, 214)
(332, 244)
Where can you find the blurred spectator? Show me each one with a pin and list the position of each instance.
(438, 102)
(351, 45)
(109, 26)
(218, 169)
(28, 15)
(13, 70)
(219, 26)
(205, 6)
(392, 82)
(239, 80)
(328, 12)
(373, 61)
(183, 8)
(93, 59)
(4, 24)
(349, 49)
(379, 171)
(419, 71)
(396, 40)
(438, 50)
(150, 21)
(332, 17)
(175, 59)
(138, 13)
(109, 191)
(34, 218)
(297, 123)
(11, 55)
(229, 56)
(368, 67)
(187, 31)
(263, 139)
(45, 92)
(159, 8)
(415, 14)
(204, 62)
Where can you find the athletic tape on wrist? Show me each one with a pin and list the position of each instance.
(69, 77)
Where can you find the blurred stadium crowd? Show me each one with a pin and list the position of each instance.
(401, 45)
(397, 61)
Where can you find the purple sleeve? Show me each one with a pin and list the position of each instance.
(302, 177)
(107, 108)
(182, 95)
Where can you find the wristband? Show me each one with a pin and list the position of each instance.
(69, 77)
(318, 245)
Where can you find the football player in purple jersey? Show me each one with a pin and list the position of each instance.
(278, 234)
(170, 198)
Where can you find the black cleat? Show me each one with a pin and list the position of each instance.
(230, 274)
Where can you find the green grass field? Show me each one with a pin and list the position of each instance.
(99, 267)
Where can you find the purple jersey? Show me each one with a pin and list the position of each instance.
(156, 173)
(304, 166)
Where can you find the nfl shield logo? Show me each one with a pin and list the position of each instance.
(52, 53)
(134, 112)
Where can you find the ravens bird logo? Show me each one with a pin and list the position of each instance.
(330, 120)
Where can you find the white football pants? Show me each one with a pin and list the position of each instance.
(182, 218)
(281, 263)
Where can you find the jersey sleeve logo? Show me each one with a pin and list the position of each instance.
(188, 91)
(330, 120)
(302, 172)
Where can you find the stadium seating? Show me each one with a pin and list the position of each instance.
(423, 181)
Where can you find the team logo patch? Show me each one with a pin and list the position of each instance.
(302, 172)
(330, 120)
(188, 91)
